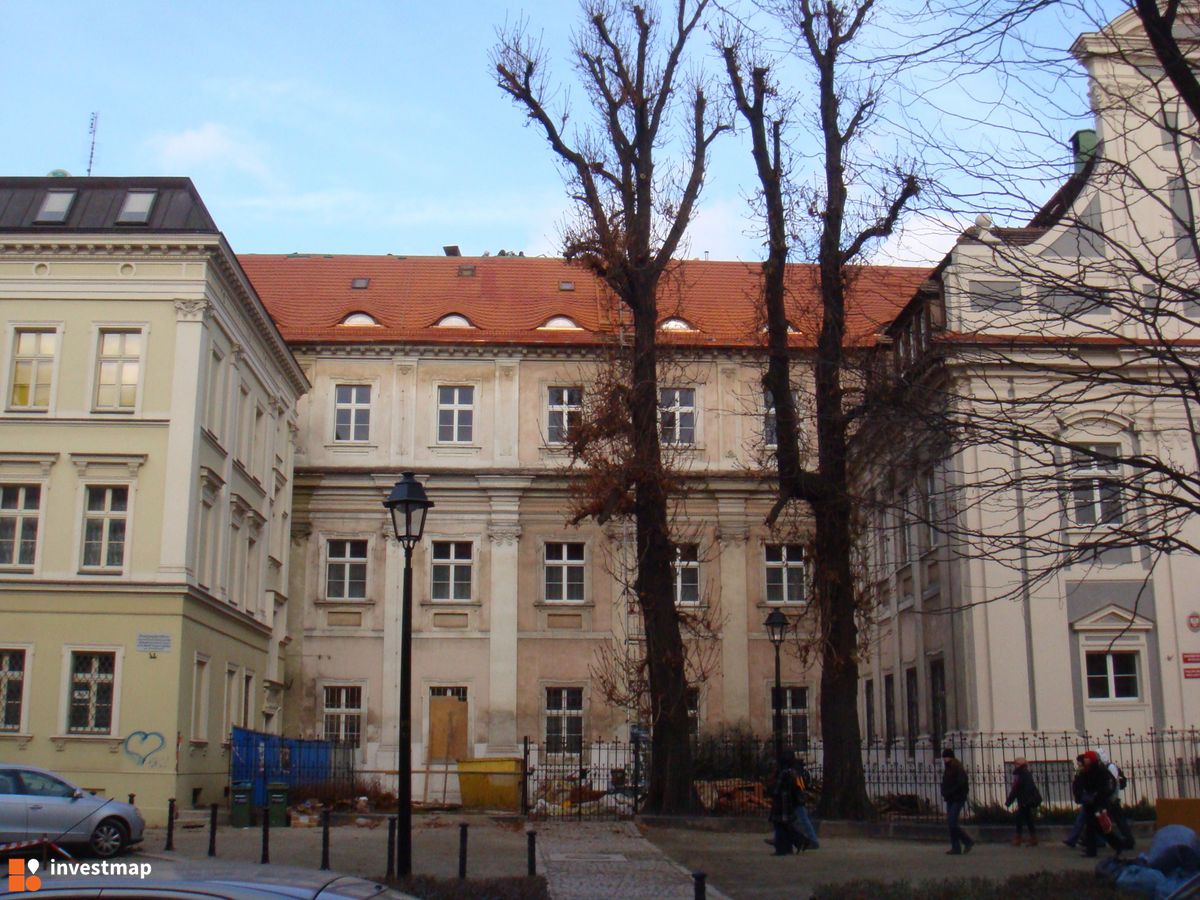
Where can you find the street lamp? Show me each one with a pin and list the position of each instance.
(408, 505)
(777, 628)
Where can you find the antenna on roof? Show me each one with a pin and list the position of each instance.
(92, 131)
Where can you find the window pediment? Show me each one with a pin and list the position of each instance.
(1113, 618)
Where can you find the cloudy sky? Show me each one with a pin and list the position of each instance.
(337, 127)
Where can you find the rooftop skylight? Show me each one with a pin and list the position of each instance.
(55, 206)
(136, 208)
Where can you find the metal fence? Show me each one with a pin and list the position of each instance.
(732, 776)
(262, 759)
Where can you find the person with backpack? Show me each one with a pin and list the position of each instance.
(956, 784)
(1024, 792)
(1097, 787)
(1120, 820)
(787, 801)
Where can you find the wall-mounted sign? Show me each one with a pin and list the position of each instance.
(1192, 673)
(1191, 657)
(154, 643)
(1194, 621)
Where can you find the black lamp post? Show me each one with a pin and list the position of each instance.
(408, 505)
(777, 628)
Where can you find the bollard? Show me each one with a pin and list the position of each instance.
(170, 824)
(212, 830)
(45, 851)
(531, 850)
(701, 889)
(462, 850)
(391, 854)
(325, 839)
(132, 797)
(266, 847)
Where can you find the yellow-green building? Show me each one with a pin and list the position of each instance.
(146, 442)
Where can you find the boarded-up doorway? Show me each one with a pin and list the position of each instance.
(448, 725)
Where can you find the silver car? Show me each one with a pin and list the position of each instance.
(35, 803)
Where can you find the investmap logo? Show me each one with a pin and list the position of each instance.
(23, 877)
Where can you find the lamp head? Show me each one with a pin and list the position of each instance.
(408, 505)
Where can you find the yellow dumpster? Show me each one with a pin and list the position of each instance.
(493, 783)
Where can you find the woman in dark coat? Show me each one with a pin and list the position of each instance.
(1024, 792)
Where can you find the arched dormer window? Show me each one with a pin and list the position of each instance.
(677, 324)
(560, 323)
(454, 320)
(359, 319)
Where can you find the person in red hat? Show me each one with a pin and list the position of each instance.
(1097, 788)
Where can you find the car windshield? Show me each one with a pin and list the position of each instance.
(44, 786)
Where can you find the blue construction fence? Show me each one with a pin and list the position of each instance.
(263, 759)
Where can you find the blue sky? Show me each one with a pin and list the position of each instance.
(338, 127)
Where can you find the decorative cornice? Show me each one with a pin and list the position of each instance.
(732, 535)
(504, 534)
(16, 463)
(193, 310)
(97, 463)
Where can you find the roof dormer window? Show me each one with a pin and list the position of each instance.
(454, 320)
(136, 208)
(359, 284)
(676, 324)
(359, 318)
(55, 206)
(561, 323)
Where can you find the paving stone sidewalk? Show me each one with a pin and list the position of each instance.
(585, 860)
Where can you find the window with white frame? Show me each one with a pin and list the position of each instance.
(451, 570)
(677, 416)
(343, 714)
(1095, 485)
(770, 420)
(215, 414)
(933, 511)
(564, 412)
(32, 369)
(346, 570)
(20, 505)
(1112, 675)
(456, 414)
(787, 573)
(93, 688)
(200, 699)
(12, 688)
(692, 698)
(105, 516)
(793, 704)
(564, 573)
(118, 370)
(351, 413)
(686, 571)
(564, 720)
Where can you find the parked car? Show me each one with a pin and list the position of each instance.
(36, 803)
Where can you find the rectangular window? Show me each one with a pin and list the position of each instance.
(135, 210)
(19, 505)
(787, 573)
(456, 414)
(55, 207)
(564, 573)
(933, 512)
(564, 720)
(92, 688)
(794, 706)
(937, 701)
(343, 714)
(200, 700)
(351, 413)
(12, 688)
(564, 412)
(346, 570)
(889, 709)
(912, 710)
(451, 570)
(1095, 485)
(693, 707)
(247, 700)
(1183, 217)
(869, 709)
(677, 416)
(770, 420)
(687, 574)
(104, 523)
(33, 369)
(231, 684)
(118, 368)
(997, 295)
(216, 394)
(904, 531)
(1112, 676)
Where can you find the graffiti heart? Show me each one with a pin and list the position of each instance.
(141, 745)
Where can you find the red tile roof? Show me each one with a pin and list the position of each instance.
(509, 298)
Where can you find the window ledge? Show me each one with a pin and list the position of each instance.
(198, 743)
(61, 740)
(455, 449)
(449, 604)
(16, 570)
(21, 737)
(351, 446)
(335, 601)
(563, 604)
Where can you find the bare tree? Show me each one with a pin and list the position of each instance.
(632, 216)
(844, 103)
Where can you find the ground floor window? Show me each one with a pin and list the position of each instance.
(564, 720)
(12, 688)
(93, 677)
(343, 714)
(793, 704)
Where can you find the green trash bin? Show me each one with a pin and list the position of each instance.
(241, 794)
(277, 803)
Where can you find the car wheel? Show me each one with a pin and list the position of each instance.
(109, 838)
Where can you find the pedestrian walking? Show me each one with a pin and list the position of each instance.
(1120, 820)
(1097, 787)
(956, 785)
(787, 800)
(1024, 792)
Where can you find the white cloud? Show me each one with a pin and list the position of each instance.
(207, 147)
